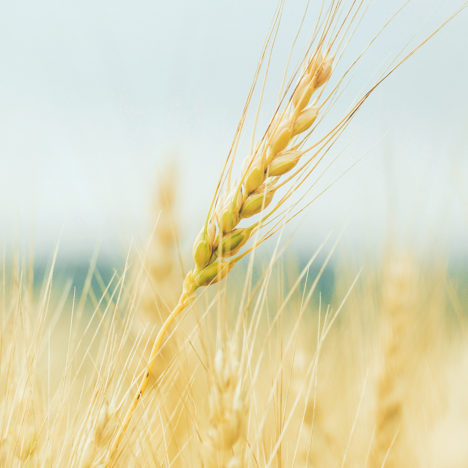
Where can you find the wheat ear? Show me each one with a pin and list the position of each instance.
(227, 407)
(155, 277)
(220, 239)
(99, 436)
(397, 311)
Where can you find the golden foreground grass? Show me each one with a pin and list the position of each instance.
(252, 372)
(255, 374)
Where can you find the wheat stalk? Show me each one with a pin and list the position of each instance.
(265, 171)
(221, 239)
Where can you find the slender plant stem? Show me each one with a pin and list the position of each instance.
(184, 300)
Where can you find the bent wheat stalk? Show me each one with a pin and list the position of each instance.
(220, 240)
(272, 167)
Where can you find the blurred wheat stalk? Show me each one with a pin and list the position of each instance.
(376, 378)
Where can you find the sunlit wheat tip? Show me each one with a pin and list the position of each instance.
(324, 71)
(317, 74)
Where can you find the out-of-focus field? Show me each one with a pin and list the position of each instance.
(285, 365)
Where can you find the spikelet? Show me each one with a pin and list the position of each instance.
(222, 445)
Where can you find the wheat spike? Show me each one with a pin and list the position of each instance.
(227, 411)
(397, 309)
(156, 275)
(155, 278)
(220, 238)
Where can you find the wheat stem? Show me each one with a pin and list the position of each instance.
(184, 300)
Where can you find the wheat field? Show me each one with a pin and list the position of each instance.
(228, 349)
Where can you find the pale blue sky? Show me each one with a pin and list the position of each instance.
(95, 94)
